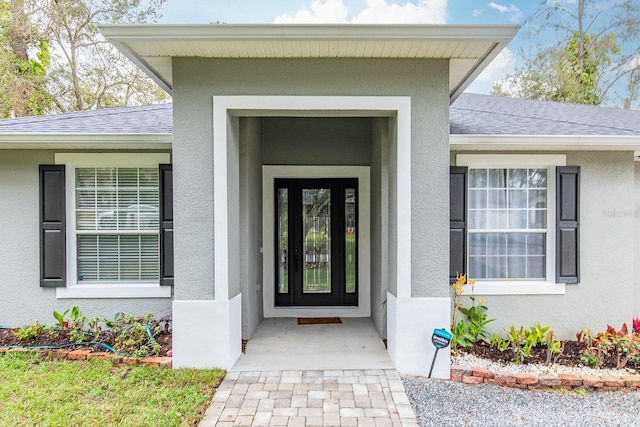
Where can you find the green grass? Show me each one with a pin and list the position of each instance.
(36, 391)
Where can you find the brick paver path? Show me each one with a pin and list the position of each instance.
(310, 398)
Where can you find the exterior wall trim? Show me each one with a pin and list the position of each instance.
(226, 108)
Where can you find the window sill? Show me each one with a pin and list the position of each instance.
(515, 288)
(114, 291)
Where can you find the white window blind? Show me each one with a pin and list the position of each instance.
(116, 212)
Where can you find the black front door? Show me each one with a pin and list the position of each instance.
(316, 242)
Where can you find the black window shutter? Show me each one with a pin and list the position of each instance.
(166, 225)
(53, 248)
(458, 221)
(567, 224)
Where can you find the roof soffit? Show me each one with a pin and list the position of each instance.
(469, 48)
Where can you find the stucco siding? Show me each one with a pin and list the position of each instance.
(23, 300)
(316, 141)
(605, 294)
(196, 81)
(251, 225)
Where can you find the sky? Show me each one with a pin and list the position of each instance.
(462, 12)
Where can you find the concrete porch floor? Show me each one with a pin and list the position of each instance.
(282, 344)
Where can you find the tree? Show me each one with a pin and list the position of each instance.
(24, 56)
(595, 59)
(86, 71)
(67, 65)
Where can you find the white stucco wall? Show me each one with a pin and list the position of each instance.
(23, 300)
(251, 281)
(605, 294)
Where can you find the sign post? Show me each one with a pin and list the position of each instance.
(440, 339)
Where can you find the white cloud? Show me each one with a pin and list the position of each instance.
(329, 11)
(424, 12)
(516, 13)
(376, 12)
(495, 73)
(501, 65)
(500, 8)
(633, 64)
(476, 12)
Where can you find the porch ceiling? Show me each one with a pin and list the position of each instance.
(469, 48)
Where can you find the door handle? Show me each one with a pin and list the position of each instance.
(295, 260)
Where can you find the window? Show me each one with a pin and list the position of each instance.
(503, 223)
(113, 225)
(507, 223)
(117, 235)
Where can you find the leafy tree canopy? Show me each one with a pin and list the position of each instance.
(596, 58)
(67, 64)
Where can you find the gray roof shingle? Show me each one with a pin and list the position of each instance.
(470, 114)
(144, 119)
(473, 114)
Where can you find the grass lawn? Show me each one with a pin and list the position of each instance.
(36, 391)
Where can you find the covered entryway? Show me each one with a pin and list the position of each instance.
(282, 344)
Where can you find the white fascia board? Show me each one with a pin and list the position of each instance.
(445, 33)
(92, 141)
(544, 142)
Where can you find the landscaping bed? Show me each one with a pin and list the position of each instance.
(124, 335)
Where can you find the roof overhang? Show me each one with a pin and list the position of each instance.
(91, 141)
(469, 49)
(544, 143)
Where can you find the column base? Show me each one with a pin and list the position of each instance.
(410, 324)
(207, 334)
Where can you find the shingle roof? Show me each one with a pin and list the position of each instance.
(145, 119)
(470, 114)
(473, 114)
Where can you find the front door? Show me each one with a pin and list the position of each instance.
(316, 242)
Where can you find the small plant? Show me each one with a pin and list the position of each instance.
(134, 335)
(62, 321)
(636, 325)
(34, 330)
(555, 348)
(474, 328)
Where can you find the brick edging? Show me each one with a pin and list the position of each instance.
(61, 354)
(526, 381)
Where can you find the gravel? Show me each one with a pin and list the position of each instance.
(471, 361)
(448, 403)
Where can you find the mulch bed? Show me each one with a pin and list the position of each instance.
(61, 337)
(569, 357)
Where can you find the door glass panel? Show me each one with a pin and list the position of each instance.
(283, 250)
(350, 240)
(316, 224)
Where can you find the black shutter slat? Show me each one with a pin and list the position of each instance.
(53, 260)
(568, 224)
(166, 225)
(457, 221)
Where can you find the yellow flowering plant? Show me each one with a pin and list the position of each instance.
(474, 328)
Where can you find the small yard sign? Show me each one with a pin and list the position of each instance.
(440, 339)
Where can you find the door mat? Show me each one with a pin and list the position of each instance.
(318, 320)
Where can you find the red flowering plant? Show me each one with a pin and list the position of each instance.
(636, 325)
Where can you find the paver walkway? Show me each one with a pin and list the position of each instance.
(311, 398)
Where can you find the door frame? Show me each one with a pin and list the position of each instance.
(269, 174)
(337, 294)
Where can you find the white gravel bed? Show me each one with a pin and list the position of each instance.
(471, 361)
(450, 403)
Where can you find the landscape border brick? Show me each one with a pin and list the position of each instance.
(528, 381)
(61, 354)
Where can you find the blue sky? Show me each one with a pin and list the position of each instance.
(372, 11)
